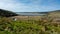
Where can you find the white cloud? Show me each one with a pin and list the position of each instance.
(15, 6)
(11, 5)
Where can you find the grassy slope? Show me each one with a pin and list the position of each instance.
(8, 26)
(6, 13)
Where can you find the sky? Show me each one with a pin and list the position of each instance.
(30, 5)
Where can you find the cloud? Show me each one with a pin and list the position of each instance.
(8, 4)
(14, 6)
(28, 5)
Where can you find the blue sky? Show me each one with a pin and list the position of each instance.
(30, 5)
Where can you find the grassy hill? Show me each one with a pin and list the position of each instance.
(6, 13)
(8, 26)
(54, 16)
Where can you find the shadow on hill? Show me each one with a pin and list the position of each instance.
(6, 13)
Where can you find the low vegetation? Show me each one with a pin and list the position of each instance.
(8, 26)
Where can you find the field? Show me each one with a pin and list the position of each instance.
(27, 17)
(28, 25)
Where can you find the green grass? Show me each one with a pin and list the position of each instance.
(8, 26)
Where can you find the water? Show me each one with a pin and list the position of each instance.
(29, 14)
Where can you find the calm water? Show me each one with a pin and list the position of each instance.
(29, 14)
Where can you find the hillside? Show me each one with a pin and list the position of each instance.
(33, 24)
(54, 16)
(6, 13)
(54, 13)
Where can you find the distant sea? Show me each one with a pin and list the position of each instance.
(30, 13)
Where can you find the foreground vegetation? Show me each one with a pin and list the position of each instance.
(8, 26)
